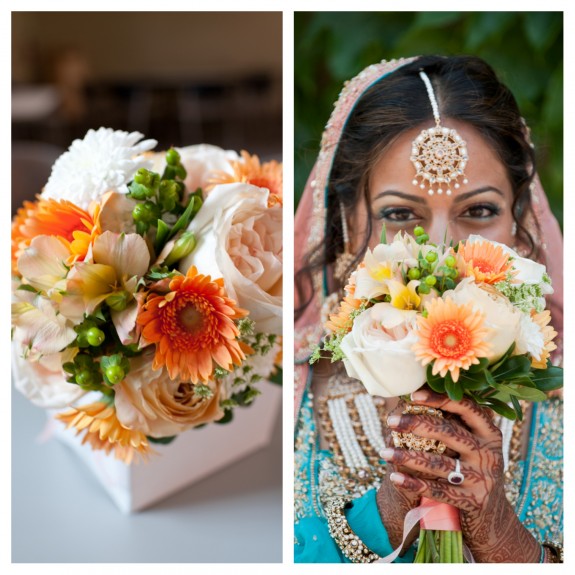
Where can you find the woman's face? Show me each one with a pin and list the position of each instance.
(482, 206)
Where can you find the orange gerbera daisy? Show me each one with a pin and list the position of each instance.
(342, 319)
(104, 431)
(267, 175)
(193, 327)
(52, 217)
(484, 261)
(452, 336)
(542, 319)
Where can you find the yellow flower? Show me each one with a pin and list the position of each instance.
(404, 296)
(542, 319)
(104, 431)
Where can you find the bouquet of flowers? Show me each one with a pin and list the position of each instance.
(147, 289)
(467, 320)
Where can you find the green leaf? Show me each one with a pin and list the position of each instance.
(473, 381)
(503, 357)
(483, 363)
(277, 377)
(228, 416)
(501, 408)
(26, 287)
(161, 235)
(436, 382)
(184, 219)
(517, 408)
(548, 379)
(161, 440)
(512, 367)
(453, 389)
(526, 393)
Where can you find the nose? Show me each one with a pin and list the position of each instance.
(440, 228)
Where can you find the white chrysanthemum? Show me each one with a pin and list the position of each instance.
(530, 339)
(104, 160)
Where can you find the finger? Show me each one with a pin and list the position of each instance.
(454, 435)
(477, 418)
(441, 492)
(429, 465)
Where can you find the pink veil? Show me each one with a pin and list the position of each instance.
(311, 215)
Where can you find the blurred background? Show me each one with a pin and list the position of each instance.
(180, 78)
(524, 48)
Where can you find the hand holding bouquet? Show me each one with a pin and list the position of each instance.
(469, 321)
(147, 288)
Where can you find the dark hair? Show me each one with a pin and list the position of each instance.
(466, 89)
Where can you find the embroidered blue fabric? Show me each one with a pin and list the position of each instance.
(535, 488)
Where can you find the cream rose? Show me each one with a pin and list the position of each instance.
(240, 240)
(152, 403)
(43, 382)
(500, 315)
(378, 351)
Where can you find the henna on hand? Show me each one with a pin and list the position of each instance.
(490, 526)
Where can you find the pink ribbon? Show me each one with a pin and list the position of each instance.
(431, 515)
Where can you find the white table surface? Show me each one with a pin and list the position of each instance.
(61, 514)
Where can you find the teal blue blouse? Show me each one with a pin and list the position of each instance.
(534, 487)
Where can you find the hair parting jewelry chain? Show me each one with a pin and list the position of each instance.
(439, 154)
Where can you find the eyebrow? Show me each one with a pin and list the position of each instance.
(458, 198)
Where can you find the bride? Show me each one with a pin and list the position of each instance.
(362, 179)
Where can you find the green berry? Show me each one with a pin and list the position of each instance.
(430, 280)
(95, 336)
(418, 231)
(84, 378)
(431, 257)
(414, 274)
(146, 212)
(424, 288)
(172, 157)
(422, 239)
(114, 373)
(450, 261)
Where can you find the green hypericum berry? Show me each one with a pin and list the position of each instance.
(422, 239)
(431, 257)
(95, 336)
(85, 378)
(146, 213)
(418, 231)
(82, 340)
(114, 373)
(424, 288)
(414, 274)
(430, 280)
(172, 157)
(450, 261)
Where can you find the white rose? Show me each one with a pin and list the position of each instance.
(240, 240)
(378, 351)
(500, 315)
(43, 382)
(528, 271)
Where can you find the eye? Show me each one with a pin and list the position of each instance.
(481, 211)
(398, 215)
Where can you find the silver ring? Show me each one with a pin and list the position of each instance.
(456, 477)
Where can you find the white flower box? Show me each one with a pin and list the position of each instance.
(190, 457)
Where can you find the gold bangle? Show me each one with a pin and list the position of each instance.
(349, 543)
(553, 551)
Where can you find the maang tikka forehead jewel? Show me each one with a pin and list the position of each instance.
(439, 154)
